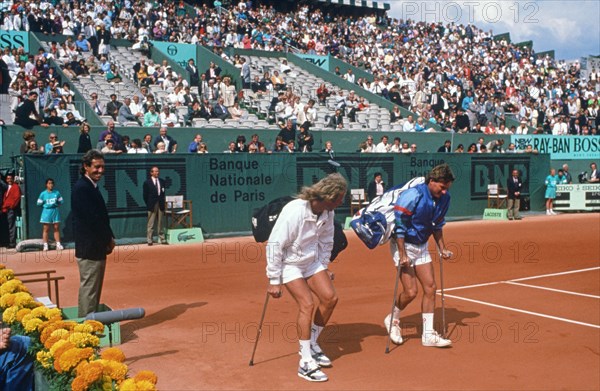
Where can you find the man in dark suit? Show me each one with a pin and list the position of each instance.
(376, 187)
(193, 71)
(221, 110)
(446, 148)
(154, 197)
(112, 107)
(94, 238)
(514, 185)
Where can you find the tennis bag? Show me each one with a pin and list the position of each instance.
(263, 221)
(374, 224)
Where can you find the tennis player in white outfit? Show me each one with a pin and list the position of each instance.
(298, 253)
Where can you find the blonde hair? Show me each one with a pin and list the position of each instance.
(327, 189)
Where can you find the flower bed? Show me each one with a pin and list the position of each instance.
(67, 353)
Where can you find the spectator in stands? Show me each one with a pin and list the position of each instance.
(151, 118)
(220, 110)
(112, 107)
(279, 145)
(136, 108)
(328, 147)
(136, 147)
(54, 119)
(97, 106)
(384, 146)
(368, 146)
(85, 141)
(230, 148)
(82, 44)
(278, 81)
(255, 142)
(110, 129)
(409, 124)
(104, 66)
(240, 144)
(246, 77)
(257, 86)
(113, 75)
(460, 149)
(51, 145)
(193, 147)
(395, 114)
(227, 92)
(193, 72)
(305, 139)
(202, 148)
(446, 148)
(168, 118)
(322, 94)
(288, 131)
(396, 146)
(147, 143)
(211, 92)
(213, 71)
(25, 110)
(594, 174)
(336, 121)
(170, 142)
(160, 148)
(236, 112)
(125, 114)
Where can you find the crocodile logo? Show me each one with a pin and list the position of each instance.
(184, 236)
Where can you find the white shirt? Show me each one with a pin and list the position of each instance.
(299, 237)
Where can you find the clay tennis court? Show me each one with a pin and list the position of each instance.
(203, 303)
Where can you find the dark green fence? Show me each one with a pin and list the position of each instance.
(225, 188)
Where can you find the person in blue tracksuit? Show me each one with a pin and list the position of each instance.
(50, 199)
(16, 366)
(419, 213)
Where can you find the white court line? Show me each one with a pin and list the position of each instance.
(552, 289)
(526, 312)
(521, 279)
(556, 274)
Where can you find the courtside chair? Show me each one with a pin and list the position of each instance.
(178, 212)
(495, 197)
(357, 200)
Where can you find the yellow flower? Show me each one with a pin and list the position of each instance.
(145, 385)
(97, 326)
(147, 376)
(21, 313)
(10, 314)
(12, 286)
(24, 299)
(32, 325)
(71, 357)
(90, 371)
(60, 345)
(39, 312)
(83, 328)
(114, 354)
(115, 370)
(107, 384)
(7, 300)
(43, 358)
(83, 339)
(128, 385)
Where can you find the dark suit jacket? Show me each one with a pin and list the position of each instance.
(514, 187)
(194, 77)
(91, 225)
(372, 190)
(151, 196)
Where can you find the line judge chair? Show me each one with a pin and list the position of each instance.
(357, 200)
(495, 197)
(178, 212)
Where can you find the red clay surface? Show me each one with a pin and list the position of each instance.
(203, 303)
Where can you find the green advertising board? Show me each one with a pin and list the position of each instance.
(226, 188)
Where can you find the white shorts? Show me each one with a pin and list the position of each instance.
(291, 272)
(418, 254)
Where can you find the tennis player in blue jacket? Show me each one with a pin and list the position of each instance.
(420, 212)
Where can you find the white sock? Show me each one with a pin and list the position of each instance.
(396, 313)
(427, 324)
(315, 331)
(57, 244)
(305, 349)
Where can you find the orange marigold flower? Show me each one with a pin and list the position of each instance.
(114, 354)
(146, 376)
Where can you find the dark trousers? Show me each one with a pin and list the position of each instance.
(11, 220)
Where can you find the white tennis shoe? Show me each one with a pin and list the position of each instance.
(435, 340)
(320, 357)
(396, 331)
(311, 371)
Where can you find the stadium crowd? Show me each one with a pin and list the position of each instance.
(456, 76)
